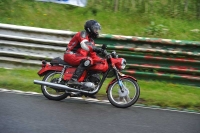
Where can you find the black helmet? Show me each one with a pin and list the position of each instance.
(92, 27)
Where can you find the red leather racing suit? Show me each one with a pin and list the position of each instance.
(77, 50)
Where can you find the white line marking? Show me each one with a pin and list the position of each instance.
(101, 101)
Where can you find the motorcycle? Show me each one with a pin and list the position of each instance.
(123, 91)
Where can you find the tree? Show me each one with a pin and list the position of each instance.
(116, 5)
(185, 6)
(198, 9)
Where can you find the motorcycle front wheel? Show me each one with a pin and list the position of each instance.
(49, 92)
(125, 98)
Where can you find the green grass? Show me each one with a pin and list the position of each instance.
(131, 23)
(67, 17)
(152, 93)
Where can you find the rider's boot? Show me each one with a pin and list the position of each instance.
(77, 74)
(75, 77)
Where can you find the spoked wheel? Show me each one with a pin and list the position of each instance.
(52, 93)
(125, 98)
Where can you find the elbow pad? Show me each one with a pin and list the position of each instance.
(86, 45)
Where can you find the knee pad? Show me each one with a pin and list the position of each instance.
(86, 62)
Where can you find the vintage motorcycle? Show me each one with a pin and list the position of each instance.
(122, 92)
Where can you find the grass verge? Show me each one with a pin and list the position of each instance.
(67, 17)
(152, 92)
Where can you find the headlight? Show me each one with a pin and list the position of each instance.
(123, 64)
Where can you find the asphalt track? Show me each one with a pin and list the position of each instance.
(33, 113)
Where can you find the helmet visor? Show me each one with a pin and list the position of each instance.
(96, 28)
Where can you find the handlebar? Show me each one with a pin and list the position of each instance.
(112, 54)
(106, 54)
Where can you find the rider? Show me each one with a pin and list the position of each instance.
(81, 50)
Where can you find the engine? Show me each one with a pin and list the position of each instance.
(94, 78)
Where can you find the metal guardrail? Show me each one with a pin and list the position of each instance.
(148, 58)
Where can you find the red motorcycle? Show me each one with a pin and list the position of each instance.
(123, 91)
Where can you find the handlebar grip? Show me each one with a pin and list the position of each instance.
(105, 52)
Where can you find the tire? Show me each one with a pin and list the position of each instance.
(49, 92)
(128, 97)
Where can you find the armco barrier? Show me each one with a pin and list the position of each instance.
(148, 58)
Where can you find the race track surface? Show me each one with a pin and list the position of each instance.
(20, 113)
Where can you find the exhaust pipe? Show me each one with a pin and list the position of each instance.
(64, 87)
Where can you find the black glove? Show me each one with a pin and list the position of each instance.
(97, 50)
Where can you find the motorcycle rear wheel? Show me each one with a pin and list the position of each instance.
(124, 99)
(49, 92)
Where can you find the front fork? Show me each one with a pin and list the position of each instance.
(119, 82)
(121, 85)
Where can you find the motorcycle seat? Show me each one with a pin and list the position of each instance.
(57, 61)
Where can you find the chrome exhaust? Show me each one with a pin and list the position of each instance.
(64, 87)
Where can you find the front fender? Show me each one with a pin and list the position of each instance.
(122, 76)
(47, 68)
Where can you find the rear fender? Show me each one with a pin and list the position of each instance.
(121, 77)
(48, 68)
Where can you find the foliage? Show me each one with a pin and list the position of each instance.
(172, 8)
(130, 17)
(155, 30)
